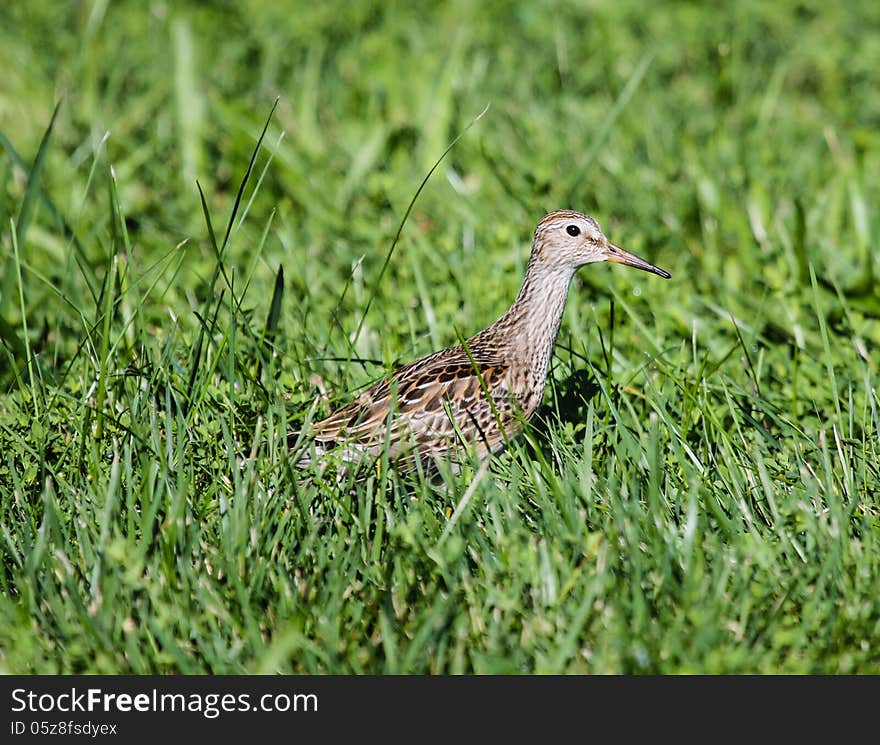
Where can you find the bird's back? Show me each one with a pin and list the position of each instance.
(433, 405)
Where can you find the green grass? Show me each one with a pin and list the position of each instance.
(702, 490)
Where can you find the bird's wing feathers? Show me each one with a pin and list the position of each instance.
(416, 406)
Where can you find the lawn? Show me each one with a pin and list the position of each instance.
(700, 492)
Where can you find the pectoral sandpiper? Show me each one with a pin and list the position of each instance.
(479, 393)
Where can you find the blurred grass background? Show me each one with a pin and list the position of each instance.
(702, 492)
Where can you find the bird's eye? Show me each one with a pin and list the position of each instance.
(573, 230)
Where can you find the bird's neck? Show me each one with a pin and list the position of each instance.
(533, 321)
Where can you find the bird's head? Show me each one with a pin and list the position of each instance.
(566, 240)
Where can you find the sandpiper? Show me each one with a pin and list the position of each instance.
(479, 393)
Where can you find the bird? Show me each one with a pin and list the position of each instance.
(479, 393)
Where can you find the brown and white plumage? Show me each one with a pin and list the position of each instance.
(482, 392)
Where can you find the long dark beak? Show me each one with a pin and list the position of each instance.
(617, 255)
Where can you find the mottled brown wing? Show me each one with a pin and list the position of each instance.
(424, 398)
